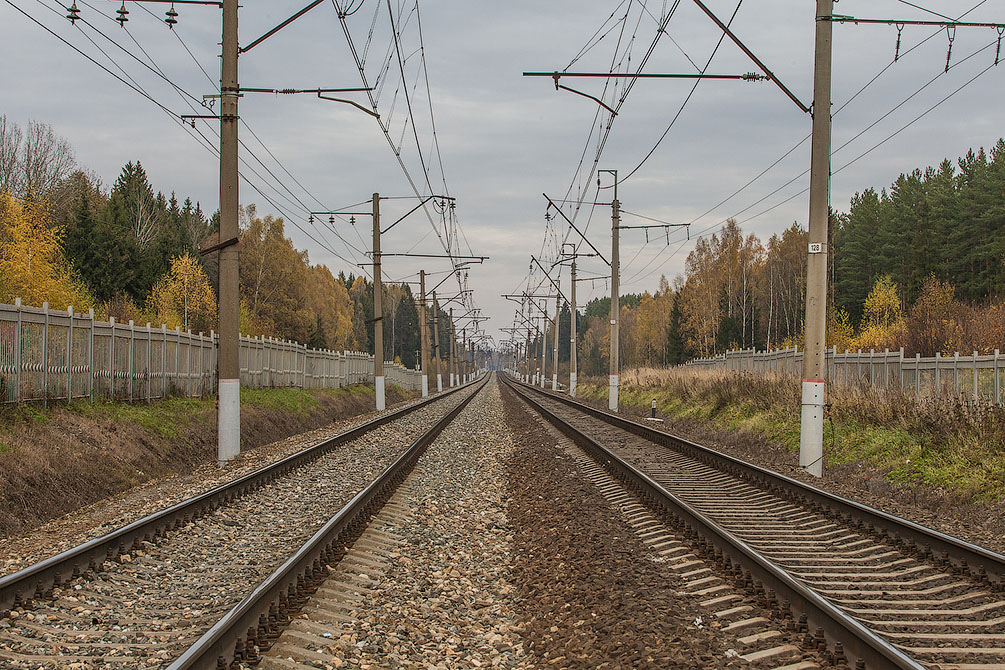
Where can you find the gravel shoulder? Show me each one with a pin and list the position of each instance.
(106, 515)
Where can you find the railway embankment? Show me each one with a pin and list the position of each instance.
(64, 458)
(936, 464)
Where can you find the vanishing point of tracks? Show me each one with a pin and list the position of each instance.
(876, 590)
(179, 586)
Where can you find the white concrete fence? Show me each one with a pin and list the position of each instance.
(973, 376)
(53, 355)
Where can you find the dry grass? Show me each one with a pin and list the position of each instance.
(56, 460)
(951, 443)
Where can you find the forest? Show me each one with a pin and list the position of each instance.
(133, 254)
(919, 265)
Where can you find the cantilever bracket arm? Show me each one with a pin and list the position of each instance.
(597, 100)
(282, 25)
(551, 203)
(750, 54)
(350, 102)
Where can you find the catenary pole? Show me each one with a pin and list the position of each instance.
(815, 350)
(228, 361)
(436, 344)
(612, 390)
(554, 356)
(453, 350)
(378, 310)
(423, 333)
(572, 333)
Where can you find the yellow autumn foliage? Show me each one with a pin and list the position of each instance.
(32, 265)
(184, 297)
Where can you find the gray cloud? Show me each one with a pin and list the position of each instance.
(504, 138)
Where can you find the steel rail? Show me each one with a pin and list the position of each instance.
(962, 556)
(254, 622)
(36, 581)
(707, 537)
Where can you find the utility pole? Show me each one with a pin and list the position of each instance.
(228, 362)
(464, 348)
(527, 358)
(423, 333)
(436, 344)
(811, 431)
(554, 370)
(544, 342)
(612, 389)
(453, 350)
(572, 338)
(378, 310)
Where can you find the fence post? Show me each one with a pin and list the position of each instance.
(17, 351)
(188, 362)
(45, 357)
(938, 375)
(917, 376)
(132, 357)
(69, 357)
(202, 366)
(998, 394)
(164, 363)
(956, 373)
(975, 376)
(901, 363)
(90, 358)
(111, 361)
(150, 360)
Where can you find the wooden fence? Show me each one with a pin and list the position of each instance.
(52, 355)
(973, 376)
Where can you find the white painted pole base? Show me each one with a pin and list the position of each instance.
(572, 385)
(811, 430)
(451, 379)
(378, 385)
(439, 383)
(554, 382)
(612, 393)
(425, 386)
(228, 420)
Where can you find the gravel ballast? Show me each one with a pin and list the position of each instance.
(147, 608)
(102, 517)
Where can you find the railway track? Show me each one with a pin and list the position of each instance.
(140, 596)
(876, 590)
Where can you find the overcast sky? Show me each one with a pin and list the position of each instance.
(505, 139)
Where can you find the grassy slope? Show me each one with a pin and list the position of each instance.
(949, 446)
(61, 458)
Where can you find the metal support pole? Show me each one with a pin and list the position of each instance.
(423, 334)
(378, 310)
(612, 389)
(544, 343)
(436, 344)
(814, 350)
(453, 350)
(228, 365)
(572, 333)
(554, 369)
(527, 359)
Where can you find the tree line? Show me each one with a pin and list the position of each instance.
(134, 254)
(918, 265)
